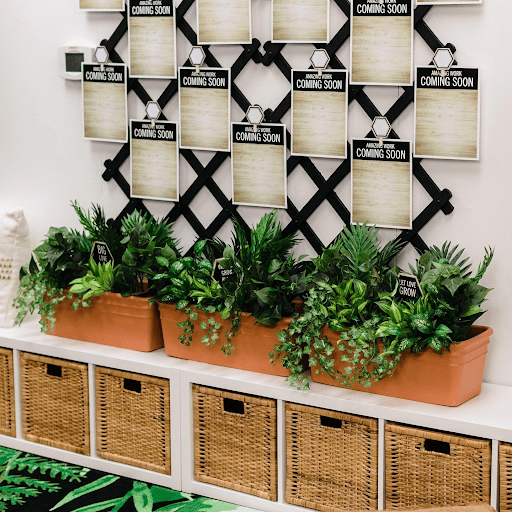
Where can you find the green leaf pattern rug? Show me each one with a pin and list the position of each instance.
(36, 484)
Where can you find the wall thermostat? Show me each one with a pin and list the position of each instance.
(70, 61)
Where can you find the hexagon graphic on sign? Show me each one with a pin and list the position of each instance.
(381, 128)
(443, 60)
(101, 56)
(255, 116)
(320, 59)
(197, 57)
(153, 111)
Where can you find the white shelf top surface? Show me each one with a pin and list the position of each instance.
(488, 415)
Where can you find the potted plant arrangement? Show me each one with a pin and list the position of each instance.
(358, 332)
(104, 303)
(243, 308)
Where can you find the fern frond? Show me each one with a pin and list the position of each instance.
(489, 253)
(60, 469)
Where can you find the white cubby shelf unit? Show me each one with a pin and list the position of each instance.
(487, 416)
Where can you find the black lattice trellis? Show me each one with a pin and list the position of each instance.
(272, 55)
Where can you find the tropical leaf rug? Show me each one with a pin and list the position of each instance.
(29, 483)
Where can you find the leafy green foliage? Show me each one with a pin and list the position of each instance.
(15, 488)
(98, 280)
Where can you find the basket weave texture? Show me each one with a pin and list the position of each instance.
(232, 450)
(417, 477)
(133, 426)
(55, 408)
(505, 458)
(7, 422)
(331, 459)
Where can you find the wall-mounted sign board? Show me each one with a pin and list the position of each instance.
(152, 38)
(104, 100)
(381, 42)
(224, 22)
(448, 2)
(205, 104)
(102, 5)
(447, 113)
(154, 159)
(382, 183)
(319, 113)
(258, 165)
(304, 21)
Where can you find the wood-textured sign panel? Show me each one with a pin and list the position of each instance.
(382, 183)
(104, 102)
(151, 37)
(319, 113)
(154, 160)
(300, 21)
(224, 21)
(102, 5)
(446, 111)
(258, 165)
(381, 42)
(205, 100)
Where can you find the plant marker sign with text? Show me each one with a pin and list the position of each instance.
(409, 288)
(101, 254)
(382, 183)
(381, 42)
(258, 165)
(152, 38)
(447, 113)
(205, 108)
(221, 274)
(104, 99)
(319, 113)
(154, 160)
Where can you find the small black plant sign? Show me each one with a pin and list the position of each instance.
(101, 253)
(408, 287)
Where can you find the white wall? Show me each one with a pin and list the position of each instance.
(45, 163)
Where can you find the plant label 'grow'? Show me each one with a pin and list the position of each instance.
(408, 287)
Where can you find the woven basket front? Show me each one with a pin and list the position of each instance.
(235, 443)
(420, 475)
(55, 398)
(133, 419)
(505, 458)
(331, 459)
(7, 422)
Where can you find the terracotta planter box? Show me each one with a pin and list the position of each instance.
(123, 322)
(252, 343)
(448, 379)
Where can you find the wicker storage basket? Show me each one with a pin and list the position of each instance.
(505, 458)
(331, 459)
(55, 398)
(432, 469)
(7, 423)
(133, 419)
(235, 441)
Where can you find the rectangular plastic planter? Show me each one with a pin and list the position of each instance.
(505, 479)
(55, 398)
(458, 373)
(123, 322)
(133, 419)
(433, 469)
(7, 418)
(253, 342)
(331, 459)
(235, 441)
